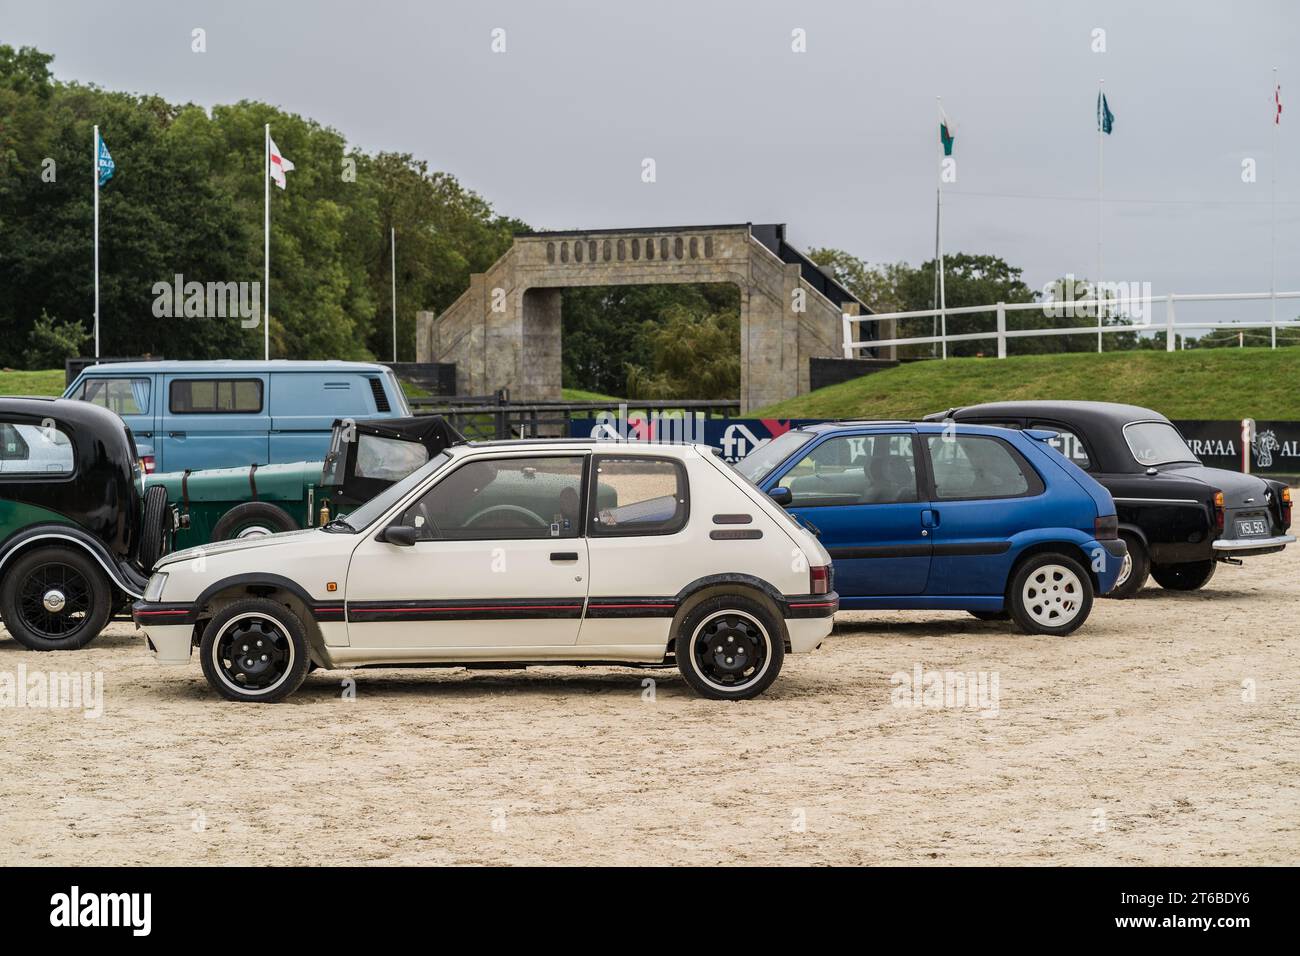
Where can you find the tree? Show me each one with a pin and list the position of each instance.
(50, 342)
(694, 355)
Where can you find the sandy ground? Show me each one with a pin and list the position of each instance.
(1134, 741)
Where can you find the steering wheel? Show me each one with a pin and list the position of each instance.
(507, 516)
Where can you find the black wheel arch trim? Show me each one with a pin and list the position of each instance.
(82, 539)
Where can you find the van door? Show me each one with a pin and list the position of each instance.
(304, 406)
(213, 421)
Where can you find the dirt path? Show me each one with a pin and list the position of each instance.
(1127, 743)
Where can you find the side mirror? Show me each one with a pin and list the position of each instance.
(402, 535)
(782, 496)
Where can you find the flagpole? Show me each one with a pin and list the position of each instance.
(1272, 280)
(94, 175)
(934, 319)
(392, 255)
(1101, 138)
(943, 304)
(266, 246)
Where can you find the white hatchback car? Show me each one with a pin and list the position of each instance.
(511, 554)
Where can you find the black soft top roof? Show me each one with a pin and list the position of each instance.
(430, 430)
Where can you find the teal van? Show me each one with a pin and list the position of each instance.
(224, 414)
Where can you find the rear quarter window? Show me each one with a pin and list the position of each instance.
(637, 495)
(979, 466)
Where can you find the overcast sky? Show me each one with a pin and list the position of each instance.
(840, 142)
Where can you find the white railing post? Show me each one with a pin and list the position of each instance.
(1169, 323)
(1002, 330)
(848, 335)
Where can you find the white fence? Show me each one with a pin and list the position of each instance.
(1169, 325)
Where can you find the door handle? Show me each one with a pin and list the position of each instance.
(929, 518)
(175, 434)
(564, 555)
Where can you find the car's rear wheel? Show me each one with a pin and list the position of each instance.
(255, 650)
(1134, 571)
(1050, 593)
(730, 648)
(1190, 576)
(55, 599)
(253, 519)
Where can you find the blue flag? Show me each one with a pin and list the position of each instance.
(106, 164)
(1105, 118)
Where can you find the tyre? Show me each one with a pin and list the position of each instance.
(992, 615)
(255, 650)
(55, 599)
(253, 519)
(730, 647)
(1050, 593)
(156, 529)
(1134, 571)
(1184, 577)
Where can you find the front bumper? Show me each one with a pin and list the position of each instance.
(1249, 546)
(168, 630)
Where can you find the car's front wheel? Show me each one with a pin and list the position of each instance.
(1190, 576)
(1134, 571)
(55, 599)
(1050, 594)
(255, 650)
(730, 648)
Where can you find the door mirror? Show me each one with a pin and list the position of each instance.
(782, 496)
(402, 535)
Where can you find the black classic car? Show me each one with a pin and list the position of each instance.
(77, 537)
(1178, 517)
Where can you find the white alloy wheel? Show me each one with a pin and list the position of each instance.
(1053, 595)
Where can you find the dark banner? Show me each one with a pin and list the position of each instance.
(1276, 447)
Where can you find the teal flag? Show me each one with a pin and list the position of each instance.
(1105, 118)
(946, 137)
(106, 164)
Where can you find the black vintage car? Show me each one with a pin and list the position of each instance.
(77, 538)
(1178, 517)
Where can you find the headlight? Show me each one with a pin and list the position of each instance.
(153, 591)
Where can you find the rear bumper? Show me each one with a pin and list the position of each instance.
(809, 619)
(1249, 546)
(1108, 560)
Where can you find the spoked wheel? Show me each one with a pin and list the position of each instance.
(1134, 570)
(255, 650)
(729, 648)
(1050, 594)
(55, 599)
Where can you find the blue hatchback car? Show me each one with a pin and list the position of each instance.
(949, 517)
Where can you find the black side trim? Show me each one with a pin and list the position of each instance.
(732, 519)
(882, 551)
(481, 609)
(624, 607)
(736, 534)
(972, 547)
(146, 612)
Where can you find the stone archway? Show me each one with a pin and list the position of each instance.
(504, 330)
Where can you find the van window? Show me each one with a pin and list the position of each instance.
(194, 396)
(125, 396)
(34, 450)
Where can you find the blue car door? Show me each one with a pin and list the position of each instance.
(983, 492)
(862, 493)
(213, 421)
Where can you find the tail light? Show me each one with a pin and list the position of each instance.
(819, 579)
(1106, 527)
(1218, 511)
(147, 464)
(1286, 508)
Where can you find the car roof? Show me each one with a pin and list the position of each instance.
(1097, 412)
(855, 423)
(672, 449)
(232, 365)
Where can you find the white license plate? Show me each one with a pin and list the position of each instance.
(1251, 527)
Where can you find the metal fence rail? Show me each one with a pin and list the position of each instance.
(1170, 326)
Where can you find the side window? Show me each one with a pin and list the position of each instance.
(855, 470)
(391, 459)
(125, 396)
(34, 450)
(195, 396)
(1067, 443)
(508, 498)
(976, 466)
(637, 495)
